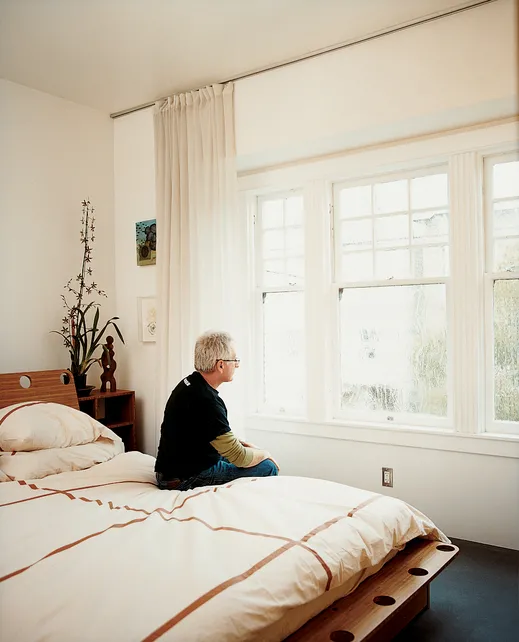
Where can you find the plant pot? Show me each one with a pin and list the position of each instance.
(80, 382)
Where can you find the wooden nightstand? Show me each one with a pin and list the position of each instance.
(116, 410)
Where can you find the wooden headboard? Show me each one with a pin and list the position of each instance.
(44, 385)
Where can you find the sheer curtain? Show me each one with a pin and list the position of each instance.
(201, 242)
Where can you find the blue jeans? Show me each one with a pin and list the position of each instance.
(222, 473)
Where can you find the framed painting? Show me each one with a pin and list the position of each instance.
(146, 242)
(147, 318)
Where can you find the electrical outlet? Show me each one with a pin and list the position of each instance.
(387, 477)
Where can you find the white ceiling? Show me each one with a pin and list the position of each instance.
(116, 54)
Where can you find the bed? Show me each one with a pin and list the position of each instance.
(92, 550)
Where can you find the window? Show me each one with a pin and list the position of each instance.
(280, 277)
(391, 272)
(502, 292)
(391, 298)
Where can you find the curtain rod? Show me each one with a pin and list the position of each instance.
(321, 52)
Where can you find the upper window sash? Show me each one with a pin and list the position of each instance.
(501, 195)
(392, 227)
(279, 236)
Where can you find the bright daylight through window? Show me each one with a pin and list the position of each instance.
(280, 281)
(393, 299)
(502, 178)
(391, 241)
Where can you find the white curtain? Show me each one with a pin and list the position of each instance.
(200, 239)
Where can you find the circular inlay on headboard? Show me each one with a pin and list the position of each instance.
(25, 381)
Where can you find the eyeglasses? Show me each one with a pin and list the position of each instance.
(235, 361)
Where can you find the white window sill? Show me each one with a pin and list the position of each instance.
(411, 437)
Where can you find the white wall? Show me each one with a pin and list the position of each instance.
(54, 154)
(451, 72)
(448, 73)
(135, 201)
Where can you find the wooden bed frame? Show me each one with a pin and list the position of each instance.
(375, 612)
(46, 385)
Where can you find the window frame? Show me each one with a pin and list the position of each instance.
(260, 290)
(463, 150)
(492, 425)
(377, 418)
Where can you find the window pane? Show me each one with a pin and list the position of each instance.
(294, 210)
(506, 218)
(357, 266)
(506, 180)
(272, 213)
(430, 261)
(392, 230)
(283, 351)
(392, 264)
(273, 244)
(282, 242)
(390, 197)
(294, 241)
(394, 349)
(429, 191)
(355, 201)
(274, 273)
(295, 271)
(431, 226)
(506, 255)
(506, 350)
(356, 234)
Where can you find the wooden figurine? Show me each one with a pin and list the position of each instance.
(109, 365)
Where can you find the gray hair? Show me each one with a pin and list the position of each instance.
(210, 347)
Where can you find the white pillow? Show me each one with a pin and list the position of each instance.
(37, 464)
(39, 425)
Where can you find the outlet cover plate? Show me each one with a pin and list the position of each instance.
(387, 477)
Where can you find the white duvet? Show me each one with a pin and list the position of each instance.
(103, 555)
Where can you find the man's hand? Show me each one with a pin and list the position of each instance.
(261, 455)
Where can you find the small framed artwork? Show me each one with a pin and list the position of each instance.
(147, 318)
(146, 242)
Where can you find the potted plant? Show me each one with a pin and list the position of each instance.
(81, 330)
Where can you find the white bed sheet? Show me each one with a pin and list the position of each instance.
(102, 554)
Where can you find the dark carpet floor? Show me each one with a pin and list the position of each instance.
(475, 599)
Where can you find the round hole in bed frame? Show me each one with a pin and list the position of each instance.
(445, 547)
(418, 571)
(25, 381)
(341, 636)
(384, 600)
(64, 378)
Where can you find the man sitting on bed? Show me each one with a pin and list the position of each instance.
(197, 446)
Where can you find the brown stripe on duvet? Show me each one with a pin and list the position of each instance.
(160, 511)
(215, 591)
(234, 529)
(25, 405)
(155, 635)
(363, 505)
(333, 521)
(71, 545)
(67, 491)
